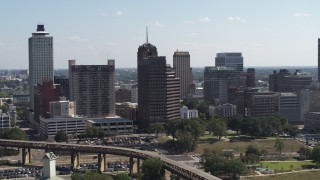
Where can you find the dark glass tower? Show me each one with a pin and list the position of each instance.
(158, 88)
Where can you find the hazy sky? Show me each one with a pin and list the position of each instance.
(267, 32)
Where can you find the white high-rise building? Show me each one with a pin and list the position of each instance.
(40, 59)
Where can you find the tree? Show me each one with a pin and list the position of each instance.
(213, 164)
(204, 107)
(235, 123)
(61, 136)
(14, 134)
(305, 152)
(152, 168)
(292, 130)
(122, 176)
(4, 108)
(279, 145)
(218, 127)
(234, 168)
(252, 155)
(185, 142)
(315, 155)
(190, 103)
(156, 128)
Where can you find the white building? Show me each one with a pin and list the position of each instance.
(185, 113)
(73, 126)
(223, 110)
(4, 120)
(62, 118)
(112, 126)
(40, 59)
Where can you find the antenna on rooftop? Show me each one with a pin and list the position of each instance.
(147, 33)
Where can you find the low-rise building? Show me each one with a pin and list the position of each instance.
(223, 110)
(186, 113)
(4, 120)
(112, 126)
(312, 120)
(21, 99)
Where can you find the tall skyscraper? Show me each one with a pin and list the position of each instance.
(158, 88)
(232, 60)
(181, 65)
(40, 59)
(92, 87)
(217, 80)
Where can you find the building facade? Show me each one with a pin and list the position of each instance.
(4, 120)
(231, 60)
(186, 113)
(289, 106)
(40, 59)
(223, 110)
(112, 126)
(216, 83)
(181, 65)
(92, 87)
(63, 81)
(158, 88)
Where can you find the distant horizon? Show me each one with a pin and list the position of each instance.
(280, 67)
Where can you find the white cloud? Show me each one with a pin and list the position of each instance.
(104, 14)
(77, 38)
(118, 13)
(204, 19)
(236, 18)
(194, 34)
(298, 14)
(188, 22)
(157, 24)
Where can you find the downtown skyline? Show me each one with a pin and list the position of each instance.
(268, 33)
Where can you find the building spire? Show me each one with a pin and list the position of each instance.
(147, 34)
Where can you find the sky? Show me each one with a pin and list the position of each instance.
(267, 32)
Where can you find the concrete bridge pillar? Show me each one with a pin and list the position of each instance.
(101, 162)
(138, 165)
(26, 156)
(131, 166)
(75, 159)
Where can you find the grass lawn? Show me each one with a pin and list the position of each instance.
(286, 166)
(290, 145)
(207, 137)
(309, 175)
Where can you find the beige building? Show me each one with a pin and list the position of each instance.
(92, 87)
(181, 65)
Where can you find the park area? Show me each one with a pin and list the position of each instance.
(287, 165)
(240, 145)
(309, 175)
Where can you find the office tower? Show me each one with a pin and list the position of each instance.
(40, 59)
(217, 80)
(319, 60)
(92, 87)
(283, 81)
(289, 107)
(43, 95)
(64, 85)
(261, 104)
(158, 88)
(232, 60)
(181, 65)
(247, 79)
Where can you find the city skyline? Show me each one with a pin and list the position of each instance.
(268, 33)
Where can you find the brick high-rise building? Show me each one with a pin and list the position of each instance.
(181, 65)
(40, 59)
(92, 87)
(158, 88)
